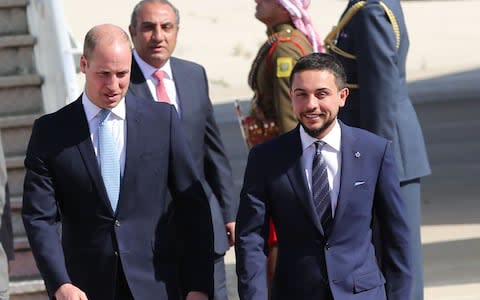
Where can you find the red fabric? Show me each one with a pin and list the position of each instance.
(272, 234)
(162, 95)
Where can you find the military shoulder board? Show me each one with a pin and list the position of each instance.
(330, 40)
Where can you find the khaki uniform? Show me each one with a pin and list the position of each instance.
(270, 74)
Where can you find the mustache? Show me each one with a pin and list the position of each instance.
(314, 112)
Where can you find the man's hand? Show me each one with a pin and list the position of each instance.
(68, 291)
(230, 233)
(196, 296)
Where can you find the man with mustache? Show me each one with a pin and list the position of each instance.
(154, 29)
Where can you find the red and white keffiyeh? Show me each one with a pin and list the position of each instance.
(302, 21)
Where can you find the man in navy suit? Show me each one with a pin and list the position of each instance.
(107, 250)
(154, 29)
(372, 43)
(317, 260)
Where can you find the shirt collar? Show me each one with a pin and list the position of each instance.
(91, 110)
(332, 139)
(148, 70)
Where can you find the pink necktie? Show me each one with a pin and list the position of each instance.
(162, 95)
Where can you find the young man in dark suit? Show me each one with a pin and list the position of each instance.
(154, 29)
(323, 215)
(100, 167)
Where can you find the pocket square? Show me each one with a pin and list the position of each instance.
(358, 183)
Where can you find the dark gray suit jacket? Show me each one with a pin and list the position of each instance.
(204, 140)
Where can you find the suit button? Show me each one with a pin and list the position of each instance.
(327, 246)
(117, 223)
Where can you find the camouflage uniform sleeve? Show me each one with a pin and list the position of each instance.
(284, 58)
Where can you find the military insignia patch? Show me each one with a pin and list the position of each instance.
(284, 66)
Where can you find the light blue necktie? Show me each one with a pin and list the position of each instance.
(109, 162)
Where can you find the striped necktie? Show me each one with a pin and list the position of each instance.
(321, 188)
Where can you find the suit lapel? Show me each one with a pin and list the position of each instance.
(132, 148)
(296, 175)
(185, 88)
(351, 164)
(87, 152)
(138, 85)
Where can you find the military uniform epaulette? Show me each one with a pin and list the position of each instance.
(287, 35)
(330, 40)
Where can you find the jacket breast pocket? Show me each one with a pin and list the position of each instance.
(368, 281)
(361, 185)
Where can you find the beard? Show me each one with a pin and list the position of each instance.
(316, 132)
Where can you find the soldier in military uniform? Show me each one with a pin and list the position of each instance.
(290, 36)
(371, 41)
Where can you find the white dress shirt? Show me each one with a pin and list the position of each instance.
(116, 122)
(333, 158)
(148, 71)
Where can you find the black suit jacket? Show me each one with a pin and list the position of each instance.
(203, 138)
(63, 186)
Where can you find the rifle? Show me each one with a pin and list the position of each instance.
(241, 123)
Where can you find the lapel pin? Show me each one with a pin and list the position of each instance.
(357, 154)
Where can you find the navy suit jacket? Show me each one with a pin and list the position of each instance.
(381, 103)
(309, 262)
(204, 140)
(63, 186)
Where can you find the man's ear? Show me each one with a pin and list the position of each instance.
(343, 96)
(83, 63)
(131, 31)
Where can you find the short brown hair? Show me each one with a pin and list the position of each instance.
(321, 61)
